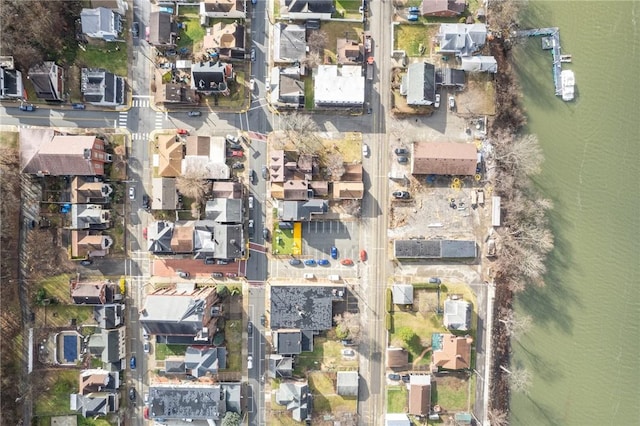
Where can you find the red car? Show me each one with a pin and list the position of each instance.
(237, 154)
(346, 262)
(363, 255)
(144, 233)
(183, 132)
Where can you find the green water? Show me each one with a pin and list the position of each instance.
(584, 351)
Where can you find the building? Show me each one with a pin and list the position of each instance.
(221, 241)
(227, 190)
(102, 88)
(109, 316)
(110, 347)
(298, 211)
(225, 39)
(101, 23)
(11, 86)
(224, 210)
(210, 78)
(442, 8)
(397, 358)
(168, 160)
(288, 90)
(396, 419)
(280, 366)
(44, 153)
(450, 352)
(89, 191)
(419, 84)
(341, 87)
(98, 393)
(402, 294)
(461, 39)
(349, 52)
(307, 9)
(164, 195)
(292, 341)
(479, 64)
(89, 217)
(295, 396)
(347, 383)
(204, 361)
(451, 78)
(93, 292)
(303, 307)
(222, 9)
(162, 30)
(159, 234)
(457, 314)
(84, 244)
(207, 155)
(48, 81)
(435, 249)
(175, 93)
(119, 6)
(444, 158)
(419, 395)
(290, 43)
(193, 401)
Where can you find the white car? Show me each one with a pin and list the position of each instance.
(252, 84)
(250, 202)
(365, 150)
(249, 362)
(132, 193)
(233, 139)
(452, 103)
(437, 102)
(146, 347)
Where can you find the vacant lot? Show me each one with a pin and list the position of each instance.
(100, 54)
(397, 399)
(452, 392)
(414, 39)
(233, 338)
(325, 398)
(326, 356)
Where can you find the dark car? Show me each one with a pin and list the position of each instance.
(237, 166)
(253, 176)
(146, 202)
(253, 54)
(394, 376)
(334, 252)
(265, 172)
(86, 262)
(401, 151)
(323, 262)
(194, 113)
(78, 106)
(310, 262)
(265, 234)
(263, 319)
(434, 280)
(135, 29)
(403, 160)
(401, 195)
(231, 275)
(209, 261)
(294, 262)
(405, 378)
(412, 17)
(217, 275)
(29, 108)
(132, 363)
(132, 394)
(234, 145)
(249, 329)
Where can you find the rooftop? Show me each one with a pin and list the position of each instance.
(303, 307)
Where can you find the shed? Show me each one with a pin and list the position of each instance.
(495, 211)
(402, 294)
(397, 357)
(347, 383)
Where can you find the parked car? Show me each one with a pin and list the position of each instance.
(183, 274)
(437, 103)
(170, 52)
(394, 376)
(231, 275)
(86, 262)
(132, 193)
(323, 262)
(365, 150)
(249, 329)
(194, 113)
(209, 261)
(403, 160)
(146, 34)
(250, 202)
(135, 29)
(146, 347)
(294, 262)
(265, 173)
(78, 106)
(217, 275)
(363, 255)
(405, 378)
(252, 84)
(146, 202)
(452, 103)
(404, 195)
(132, 362)
(263, 319)
(346, 262)
(310, 262)
(253, 176)
(145, 336)
(334, 252)
(237, 153)
(434, 280)
(414, 10)
(236, 146)
(144, 233)
(237, 166)
(232, 139)
(183, 132)
(29, 107)
(222, 262)
(265, 233)
(412, 17)
(132, 393)
(401, 151)
(253, 54)
(249, 362)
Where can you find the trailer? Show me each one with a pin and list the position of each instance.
(370, 68)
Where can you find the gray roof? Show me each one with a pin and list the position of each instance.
(288, 342)
(94, 404)
(309, 6)
(295, 396)
(291, 89)
(280, 366)
(462, 39)
(224, 210)
(479, 64)
(347, 383)
(10, 83)
(163, 193)
(457, 314)
(192, 401)
(291, 41)
(41, 78)
(397, 419)
(434, 249)
(159, 236)
(222, 241)
(202, 360)
(402, 294)
(173, 314)
(88, 216)
(100, 87)
(233, 396)
(420, 84)
(96, 20)
(109, 316)
(175, 365)
(301, 210)
(161, 28)
(106, 344)
(451, 77)
(209, 76)
(303, 307)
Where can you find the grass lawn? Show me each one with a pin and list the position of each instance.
(326, 356)
(409, 37)
(308, 92)
(61, 315)
(163, 350)
(58, 287)
(278, 414)
(52, 397)
(9, 139)
(348, 9)
(397, 399)
(282, 240)
(237, 88)
(325, 398)
(350, 147)
(452, 393)
(192, 37)
(423, 324)
(233, 341)
(336, 30)
(104, 55)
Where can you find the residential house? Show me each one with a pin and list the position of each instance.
(461, 39)
(48, 81)
(182, 240)
(110, 346)
(341, 87)
(349, 52)
(396, 419)
(102, 88)
(402, 294)
(93, 292)
(479, 64)
(89, 217)
(224, 210)
(109, 316)
(225, 39)
(287, 90)
(164, 195)
(98, 393)
(163, 32)
(175, 93)
(175, 365)
(397, 358)
(307, 9)
(279, 366)
(419, 84)
(290, 43)
(292, 341)
(159, 234)
(208, 155)
(119, 6)
(11, 86)
(435, 249)
(180, 314)
(204, 361)
(451, 78)
(298, 211)
(85, 245)
(89, 191)
(347, 383)
(42, 152)
(221, 241)
(444, 158)
(295, 396)
(101, 23)
(227, 190)
(450, 352)
(303, 307)
(419, 394)
(194, 401)
(442, 8)
(210, 78)
(350, 186)
(171, 151)
(222, 9)
(457, 314)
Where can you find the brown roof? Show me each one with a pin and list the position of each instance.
(170, 152)
(305, 163)
(89, 291)
(222, 35)
(348, 190)
(61, 155)
(198, 145)
(83, 192)
(441, 7)
(397, 358)
(320, 188)
(182, 239)
(92, 382)
(419, 399)
(352, 173)
(226, 190)
(276, 166)
(444, 158)
(82, 244)
(295, 190)
(348, 50)
(174, 92)
(455, 353)
(222, 6)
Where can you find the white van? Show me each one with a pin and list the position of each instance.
(309, 276)
(334, 278)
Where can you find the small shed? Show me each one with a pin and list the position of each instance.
(347, 383)
(402, 294)
(495, 211)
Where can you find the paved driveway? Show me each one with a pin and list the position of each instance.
(319, 236)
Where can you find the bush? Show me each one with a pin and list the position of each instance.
(389, 300)
(388, 321)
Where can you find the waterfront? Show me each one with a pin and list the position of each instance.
(584, 348)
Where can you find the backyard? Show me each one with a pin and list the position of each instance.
(325, 398)
(414, 39)
(452, 392)
(164, 350)
(233, 341)
(397, 399)
(51, 391)
(326, 356)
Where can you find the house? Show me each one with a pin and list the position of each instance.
(280, 366)
(419, 394)
(180, 314)
(296, 397)
(402, 294)
(224, 210)
(85, 245)
(204, 361)
(307, 9)
(101, 23)
(211, 77)
(102, 88)
(93, 292)
(164, 195)
(182, 238)
(442, 8)
(48, 81)
(109, 316)
(479, 64)
(227, 190)
(119, 6)
(461, 39)
(162, 30)
(11, 86)
(297, 211)
(292, 341)
(349, 52)
(435, 249)
(290, 43)
(288, 91)
(303, 307)
(89, 191)
(98, 393)
(397, 358)
(175, 93)
(221, 241)
(89, 216)
(207, 155)
(339, 86)
(110, 347)
(170, 155)
(175, 365)
(347, 383)
(396, 419)
(225, 39)
(450, 352)
(42, 152)
(451, 78)
(419, 84)
(194, 401)
(457, 314)
(222, 9)
(159, 234)
(444, 158)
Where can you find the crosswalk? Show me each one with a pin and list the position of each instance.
(140, 103)
(122, 119)
(159, 119)
(140, 136)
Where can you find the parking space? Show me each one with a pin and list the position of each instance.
(319, 236)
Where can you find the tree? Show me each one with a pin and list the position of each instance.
(192, 183)
(317, 40)
(498, 418)
(519, 379)
(353, 207)
(515, 324)
(301, 130)
(503, 15)
(335, 165)
(521, 154)
(231, 419)
(347, 326)
(313, 59)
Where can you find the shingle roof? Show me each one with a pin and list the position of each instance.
(457, 314)
(305, 308)
(291, 42)
(421, 84)
(347, 383)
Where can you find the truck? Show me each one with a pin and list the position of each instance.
(370, 68)
(368, 42)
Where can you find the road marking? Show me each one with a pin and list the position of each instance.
(159, 120)
(122, 119)
(140, 103)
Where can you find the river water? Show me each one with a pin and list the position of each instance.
(584, 350)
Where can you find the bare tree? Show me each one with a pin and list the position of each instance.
(301, 130)
(353, 207)
(313, 59)
(518, 153)
(519, 379)
(348, 326)
(498, 418)
(504, 14)
(515, 324)
(192, 183)
(317, 40)
(335, 165)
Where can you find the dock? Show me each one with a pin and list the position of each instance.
(550, 41)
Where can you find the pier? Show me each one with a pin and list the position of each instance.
(550, 41)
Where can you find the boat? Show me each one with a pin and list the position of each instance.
(568, 82)
(565, 58)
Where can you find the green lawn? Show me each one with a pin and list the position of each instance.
(52, 398)
(57, 287)
(336, 30)
(452, 393)
(308, 92)
(237, 88)
(423, 324)
(233, 341)
(164, 350)
(61, 315)
(397, 399)
(325, 398)
(326, 356)
(409, 38)
(282, 240)
(348, 9)
(192, 37)
(104, 55)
